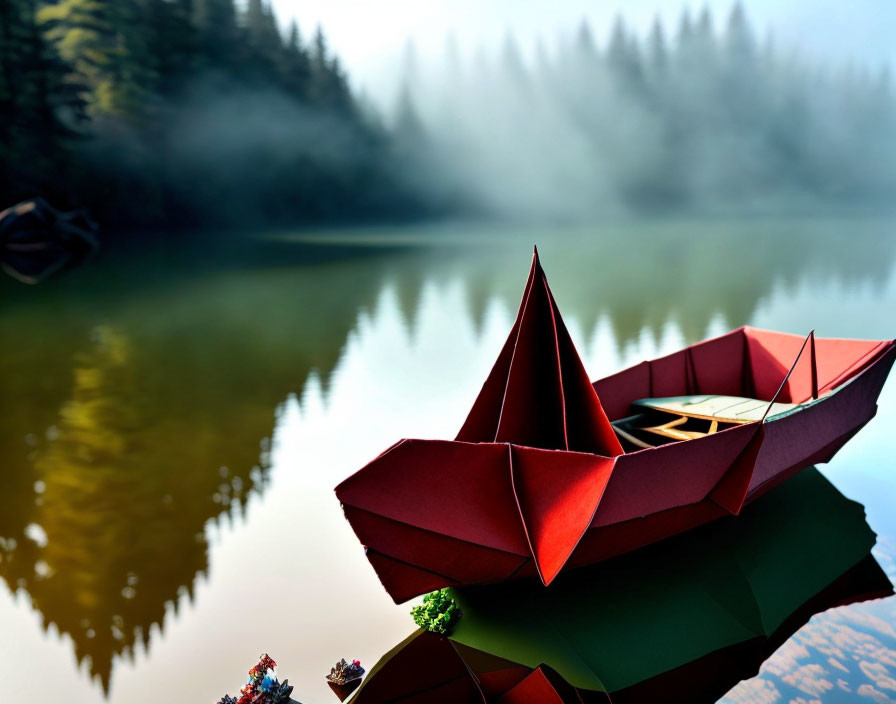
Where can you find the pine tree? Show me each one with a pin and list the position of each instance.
(744, 92)
(617, 48)
(585, 46)
(41, 106)
(217, 35)
(659, 53)
(329, 87)
(624, 58)
(12, 27)
(295, 65)
(408, 125)
(739, 39)
(261, 25)
(263, 41)
(102, 41)
(685, 31)
(255, 20)
(169, 43)
(704, 32)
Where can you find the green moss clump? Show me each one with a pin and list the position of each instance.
(438, 613)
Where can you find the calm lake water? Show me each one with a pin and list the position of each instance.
(173, 425)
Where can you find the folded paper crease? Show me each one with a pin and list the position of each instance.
(538, 393)
(537, 480)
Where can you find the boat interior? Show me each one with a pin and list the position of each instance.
(658, 421)
(745, 376)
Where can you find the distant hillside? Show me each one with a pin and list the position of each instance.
(184, 113)
(707, 118)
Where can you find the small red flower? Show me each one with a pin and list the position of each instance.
(265, 663)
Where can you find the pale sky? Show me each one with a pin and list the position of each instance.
(369, 35)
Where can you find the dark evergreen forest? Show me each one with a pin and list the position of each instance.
(708, 116)
(161, 114)
(186, 113)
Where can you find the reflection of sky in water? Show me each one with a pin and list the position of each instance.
(844, 655)
(290, 579)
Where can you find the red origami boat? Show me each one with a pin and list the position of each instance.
(550, 471)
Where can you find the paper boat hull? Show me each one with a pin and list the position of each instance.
(678, 622)
(344, 689)
(435, 513)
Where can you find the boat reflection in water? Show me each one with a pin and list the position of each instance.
(38, 241)
(680, 621)
(142, 396)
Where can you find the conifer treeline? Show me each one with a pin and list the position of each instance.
(160, 113)
(181, 112)
(704, 117)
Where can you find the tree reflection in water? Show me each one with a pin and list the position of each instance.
(121, 507)
(137, 397)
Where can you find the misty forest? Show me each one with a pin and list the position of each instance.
(240, 256)
(205, 113)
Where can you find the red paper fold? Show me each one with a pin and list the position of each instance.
(538, 393)
(537, 481)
